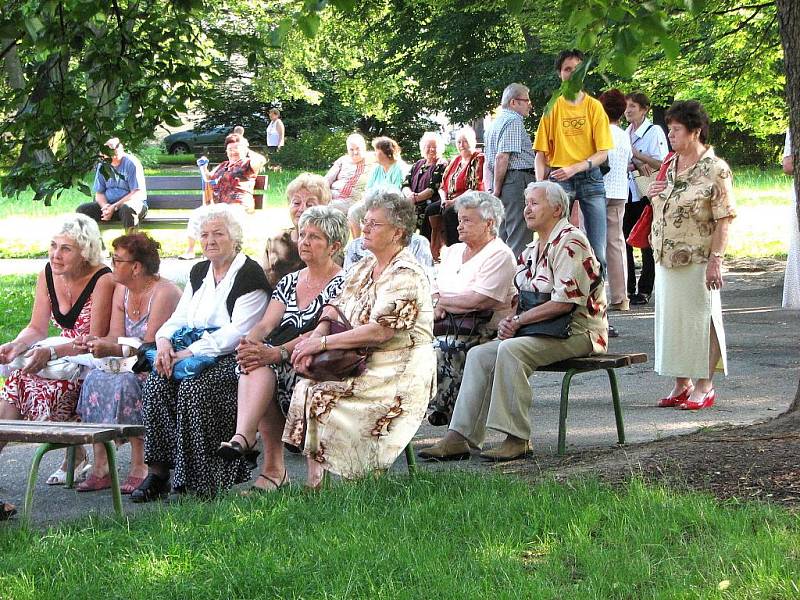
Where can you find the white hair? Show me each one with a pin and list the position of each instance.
(357, 138)
(435, 136)
(86, 234)
(221, 212)
(513, 90)
(328, 220)
(400, 212)
(468, 133)
(489, 206)
(554, 193)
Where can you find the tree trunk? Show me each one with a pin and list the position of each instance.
(789, 19)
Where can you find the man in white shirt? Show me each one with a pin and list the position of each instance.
(649, 146)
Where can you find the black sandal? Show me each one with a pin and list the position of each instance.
(277, 485)
(7, 511)
(233, 450)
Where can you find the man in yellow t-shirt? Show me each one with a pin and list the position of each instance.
(571, 142)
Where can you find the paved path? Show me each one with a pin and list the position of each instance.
(763, 362)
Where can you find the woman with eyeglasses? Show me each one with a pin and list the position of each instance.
(142, 302)
(363, 423)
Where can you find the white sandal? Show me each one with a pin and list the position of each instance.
(59, 477)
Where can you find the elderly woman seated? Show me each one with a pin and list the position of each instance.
(418, 245)
(347, 176)
(74, 291)
(280, 255)
(422, 182)
(232, 183)
(472, 293)
(362, 423)
(267, 378)
(189, 400)
(560, 280)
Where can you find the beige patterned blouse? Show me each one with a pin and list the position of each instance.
(685, 213)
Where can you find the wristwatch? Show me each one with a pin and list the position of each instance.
(515, 318)
(53, 354)
(718, 255)
(284, 353)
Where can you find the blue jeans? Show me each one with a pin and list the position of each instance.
(588, 189)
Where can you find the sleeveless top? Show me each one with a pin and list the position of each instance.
(137, 328)
(67, 321)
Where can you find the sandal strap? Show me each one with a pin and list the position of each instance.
(277, 484)
(248, 446)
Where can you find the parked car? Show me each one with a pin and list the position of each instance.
(185, 142)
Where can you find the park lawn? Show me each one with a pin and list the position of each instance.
(440, 535)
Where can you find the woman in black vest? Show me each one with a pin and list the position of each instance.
(189, 401)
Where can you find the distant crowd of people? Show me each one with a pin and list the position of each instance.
(453, 280)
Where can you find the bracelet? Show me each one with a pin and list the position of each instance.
(324, 341)
(718, 255)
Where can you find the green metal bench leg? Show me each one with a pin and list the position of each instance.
(70, 483)
(116, 495)
(34, 472)
(562, 415)
(411, 459)
(612, 378)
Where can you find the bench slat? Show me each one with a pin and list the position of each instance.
(65, 433)
(596, 362)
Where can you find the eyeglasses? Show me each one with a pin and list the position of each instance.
(526, 100)
(116, 259)
(371, 224)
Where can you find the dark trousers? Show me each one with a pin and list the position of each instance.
(125, 214)
(450, 217)
(633, 210)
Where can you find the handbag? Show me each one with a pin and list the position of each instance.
(455, 324)
(557, 327)
(639, 236)
(61, 368)
(286, 332)
(337, 365)
(642, 182)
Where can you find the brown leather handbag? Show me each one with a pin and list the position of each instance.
(337, 365)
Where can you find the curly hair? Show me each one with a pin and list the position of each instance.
(142, 248)
(314, 184)
(400, 212)
(690, 114)
(613, 102)
(388, 146)
(86, 234)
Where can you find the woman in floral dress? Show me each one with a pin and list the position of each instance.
(74, 290)
(362, 424)
(141, 304)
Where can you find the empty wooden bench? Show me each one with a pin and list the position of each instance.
(52, 436)
(170, 198)
(573, 366)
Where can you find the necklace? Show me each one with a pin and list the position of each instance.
(68, 288)
(137, 310)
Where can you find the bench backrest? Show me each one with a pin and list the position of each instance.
(190, 194)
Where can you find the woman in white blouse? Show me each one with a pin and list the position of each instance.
(185, 420)
(346, 177)
(616, 183)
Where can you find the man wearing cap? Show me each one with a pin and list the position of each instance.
(122, 195)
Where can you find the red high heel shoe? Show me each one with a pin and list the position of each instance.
(706, 402)
(673, 401)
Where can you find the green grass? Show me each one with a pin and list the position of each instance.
(16, 301)
(446, 535)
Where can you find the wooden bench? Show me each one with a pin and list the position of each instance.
(170, 198)
(605, 362)
(52, 436)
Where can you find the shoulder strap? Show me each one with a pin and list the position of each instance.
(342, 318)
(68, 320)
(51, 288)
(198, 273)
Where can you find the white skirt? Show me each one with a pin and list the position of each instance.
(791, 281)
(684, 312)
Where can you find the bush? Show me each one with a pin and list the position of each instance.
(313, 149)
(741, 148)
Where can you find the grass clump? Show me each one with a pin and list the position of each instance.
(446, 535)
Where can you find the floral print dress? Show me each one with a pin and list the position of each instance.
(363, 423)
(40, 399)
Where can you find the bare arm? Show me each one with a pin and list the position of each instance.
(541, 167)
(500, 170)
(719, 241)
(36, 330)
(788, 165)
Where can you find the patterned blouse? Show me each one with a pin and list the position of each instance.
(685, 213)
(286, 293)
(462, 175)
(569, 272)
(234, 183)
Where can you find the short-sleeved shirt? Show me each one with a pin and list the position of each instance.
(125, 178)
(684, 214)
(648, 139)
(569, 271)
(616, 180)
(571, 133)
(234, 182)
(508, 135)
(393, 177)
(490, 273)
(343, 177)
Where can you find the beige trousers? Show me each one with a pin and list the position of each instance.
(615, 251)
(495, 392)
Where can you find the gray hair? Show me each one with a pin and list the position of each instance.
(436, 137)
(487, 204)
(399, 210)
(86, 234)
(555, 194)
(221, 212)
(330, 221)
(356, 138)
(513, 90)
(468, 133)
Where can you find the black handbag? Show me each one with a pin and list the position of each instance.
(286, 332)
(558, 327)
(455, 324)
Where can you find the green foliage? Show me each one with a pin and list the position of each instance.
(313, 149)
(394, 538)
